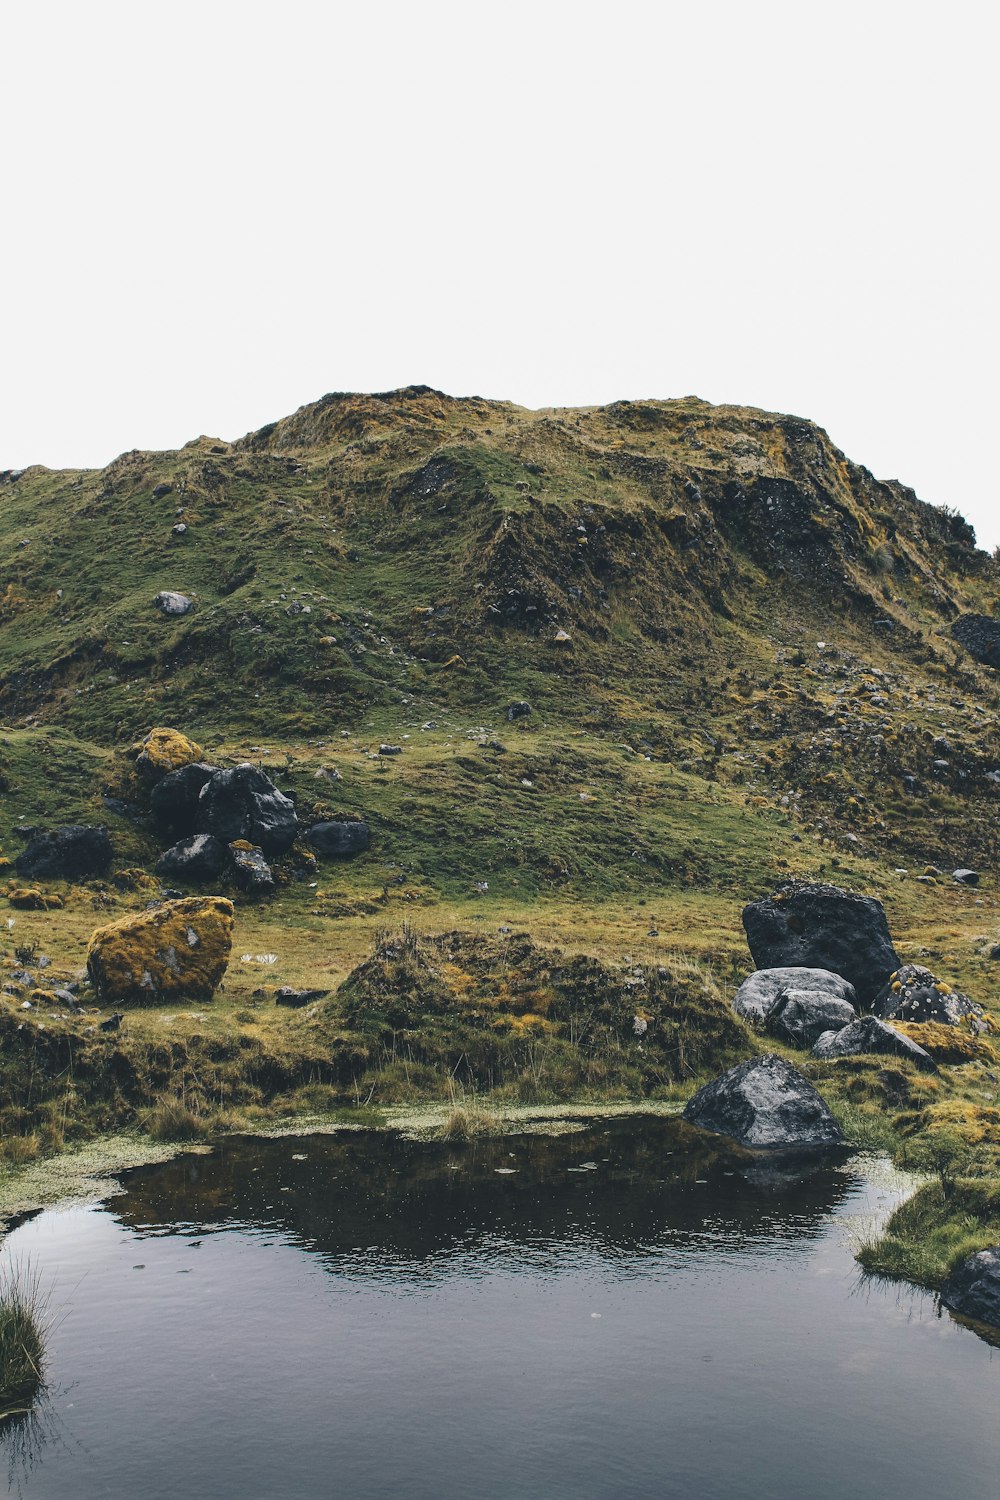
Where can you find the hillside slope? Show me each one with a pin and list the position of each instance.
(717, 588)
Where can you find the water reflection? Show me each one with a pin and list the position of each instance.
(375, 1203)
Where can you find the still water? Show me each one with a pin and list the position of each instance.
(604, 1314)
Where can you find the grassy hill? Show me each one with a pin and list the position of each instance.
(735, 645)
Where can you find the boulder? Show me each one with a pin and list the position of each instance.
(339, 837)
(75, 852)
(296, 999)
(965, 877)
(800, 1017)
(244, 804)
(177, 951)
(162, 751)
(251, 871)
(870, 1035)
(518, 710)
(200, 857)
(758, 993)
(973, 1289)
(823, 927)
(174, 800)
(914, 994)
(765, 1104)
(980, 635)
(170, 603)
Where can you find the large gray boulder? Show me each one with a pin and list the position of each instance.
(173, 801)
(800, 1017)
(915, 994)
(199, 858)
(823, 927)
(339, 837)
(767, 1105)
(758, 993)
(868, 1034)
(244, 803)
(973, 1289)
(75, 852)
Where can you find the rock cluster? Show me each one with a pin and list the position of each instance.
(815, 1007)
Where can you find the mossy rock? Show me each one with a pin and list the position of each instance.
(176, 952)
(162, 751)
(30, 898)
(948, 1044)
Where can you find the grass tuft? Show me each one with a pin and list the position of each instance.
(22, 1337)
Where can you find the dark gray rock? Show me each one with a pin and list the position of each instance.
(800, 1017)
(973, 1289)
(161, 490)
(915, 994)
(244, 803)
(198, 858)
(337, 838)
(169, 602)
(75, 852)
(870, 1035)
(758, 993)
(765, 1104)
(519, 710)
(823, 927)
(297, 998)
(966, 877)
(174, 800)
(251, 871)
(980, 635)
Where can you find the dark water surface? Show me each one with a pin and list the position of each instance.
(603, 1314)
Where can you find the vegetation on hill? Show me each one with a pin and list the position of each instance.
(732, 653)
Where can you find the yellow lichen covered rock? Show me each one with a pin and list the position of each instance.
(177, 951)
(30, 898)
(162, 751)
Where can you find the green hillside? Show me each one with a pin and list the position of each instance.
(735, 646)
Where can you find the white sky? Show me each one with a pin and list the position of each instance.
(214, 212)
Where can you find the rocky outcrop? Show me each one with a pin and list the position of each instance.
(980, 636)
(244, 804)
(174, 800)
(339, 837)
(76, 852)
(758, 993)
(177, 951)
(825, 927)
(916, 995)
(196, 859)
(765, 1104)
(162, 751)
(868, 1034)
(800, 1017)
(973, 1290)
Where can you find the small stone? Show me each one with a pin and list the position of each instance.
(168, 602)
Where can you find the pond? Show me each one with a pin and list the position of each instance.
(609, 1313)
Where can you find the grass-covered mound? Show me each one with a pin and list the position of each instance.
(503, 1013)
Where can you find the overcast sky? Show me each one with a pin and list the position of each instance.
(215, 211)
